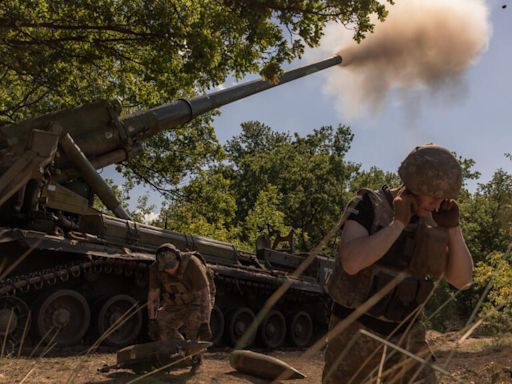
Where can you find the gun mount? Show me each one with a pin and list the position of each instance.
(65, 266)
(94, 135)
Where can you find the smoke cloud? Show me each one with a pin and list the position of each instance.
(422, 46)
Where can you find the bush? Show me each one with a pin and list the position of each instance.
(447, 318)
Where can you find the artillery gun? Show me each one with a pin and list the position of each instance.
(68, 272)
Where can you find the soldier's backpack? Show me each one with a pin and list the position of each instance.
(210, 274)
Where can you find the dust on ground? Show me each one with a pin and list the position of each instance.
(474, 361)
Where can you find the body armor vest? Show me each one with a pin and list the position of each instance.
(210, 276)
(420, 250)
(177, 291)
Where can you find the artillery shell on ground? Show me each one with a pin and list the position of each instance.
(266, 367)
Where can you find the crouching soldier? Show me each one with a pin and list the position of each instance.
(180, 297)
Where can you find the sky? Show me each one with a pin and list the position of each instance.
(470, 115)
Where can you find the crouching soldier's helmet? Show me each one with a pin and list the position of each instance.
(167, 256)
(432, 170)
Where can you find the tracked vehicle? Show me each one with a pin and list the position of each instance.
(68, 273)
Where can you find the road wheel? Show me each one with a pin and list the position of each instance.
(238, 323)
(127, 330)
(217, 325)
(300, 329)
(272, 330)
(63, 316)
(14, 322)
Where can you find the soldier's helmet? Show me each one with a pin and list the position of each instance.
(431, 170)
(167, 256)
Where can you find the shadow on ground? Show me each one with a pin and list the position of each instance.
(156, 378)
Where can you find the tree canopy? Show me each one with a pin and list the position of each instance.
(55, 54)
(58, 53)
(283, 181)
(275, 179)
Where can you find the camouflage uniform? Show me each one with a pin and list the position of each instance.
(171, 319)
(420, 252)
(347, 369)
(181, 307)
(350, 291)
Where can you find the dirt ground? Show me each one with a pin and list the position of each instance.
(476, 360)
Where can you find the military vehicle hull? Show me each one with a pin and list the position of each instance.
(73, 287)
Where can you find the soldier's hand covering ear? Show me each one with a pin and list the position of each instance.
(447, 215)
(404, 205)
(204, 333)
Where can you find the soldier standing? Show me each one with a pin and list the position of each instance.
(180, 297)
(412, 229)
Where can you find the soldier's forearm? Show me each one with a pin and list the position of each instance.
(459, 268)
(153, 302)
(206, 308)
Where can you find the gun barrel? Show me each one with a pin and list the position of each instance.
(105, 138)
(148, 123)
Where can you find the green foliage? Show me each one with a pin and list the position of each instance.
(449, 317)
(143, 210)
(375, 178)
(487, 216)
(497, 271)
(204, 207)
(123, 194)
(265, 212)
(269, 178)
(487, 222)
(172, 157)
(310, 174)
(468, 173)
(57, 53)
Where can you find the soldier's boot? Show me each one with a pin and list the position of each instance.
(197, 360)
